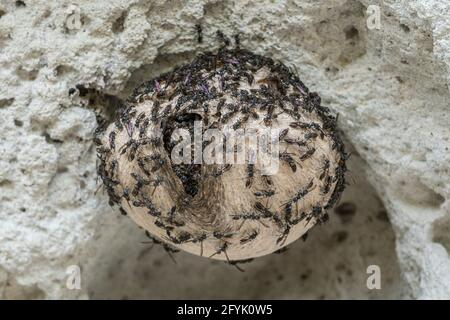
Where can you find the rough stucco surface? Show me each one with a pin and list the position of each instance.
(391, 90)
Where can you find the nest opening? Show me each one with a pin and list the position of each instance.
(189, 173)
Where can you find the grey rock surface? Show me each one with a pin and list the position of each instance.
(390, 87)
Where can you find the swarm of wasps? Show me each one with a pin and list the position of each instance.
(211, 85)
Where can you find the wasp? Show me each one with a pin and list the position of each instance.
(298, 219)
(140, 182)
(171, 218)
(327, 185)
(249, 110)
(225, 117)
(155, 141)
(300, 125)
(133, 145)
(112, 140)
(177, 223)
(223, 248)
(157, 87)
(307, 154)
(249, 216)
(288, 211)
(158, 181)
(161, 225)
(325, 168)
(284, 235)
(138, 203)
(182, 237)
(205, 89)
(267, 180)
(153, 212)
(144, 203)
(311, 135)
(205, 108)
(180, 102)
(269, 115)
(97, 141)
(290, 161)
(264, 193)
(103, 151)
(221, 81)
(122, 212)
(159, 162)
(240, 121)
(250, 237)
(126, 194)
(166, 110)
(143, 128)
(292, 113)
(200, 239)
(298, 142)
(113, 166)
(142, 163)
(311, 125)
(172, 211)
(130, 128)
(220, 235)
(303, 192)
(139, 118)
(283, 134)
(118, 124)
(250, 77)
(266, 213)
(219, 107)
(187, 79)
(316, 211)
(250, 174)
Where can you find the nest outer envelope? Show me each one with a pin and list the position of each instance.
(257, 93)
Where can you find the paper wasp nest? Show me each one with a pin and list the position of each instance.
(227, 210)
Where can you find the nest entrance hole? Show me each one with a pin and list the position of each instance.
(189, 173)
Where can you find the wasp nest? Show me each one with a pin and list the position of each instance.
(227, 210)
